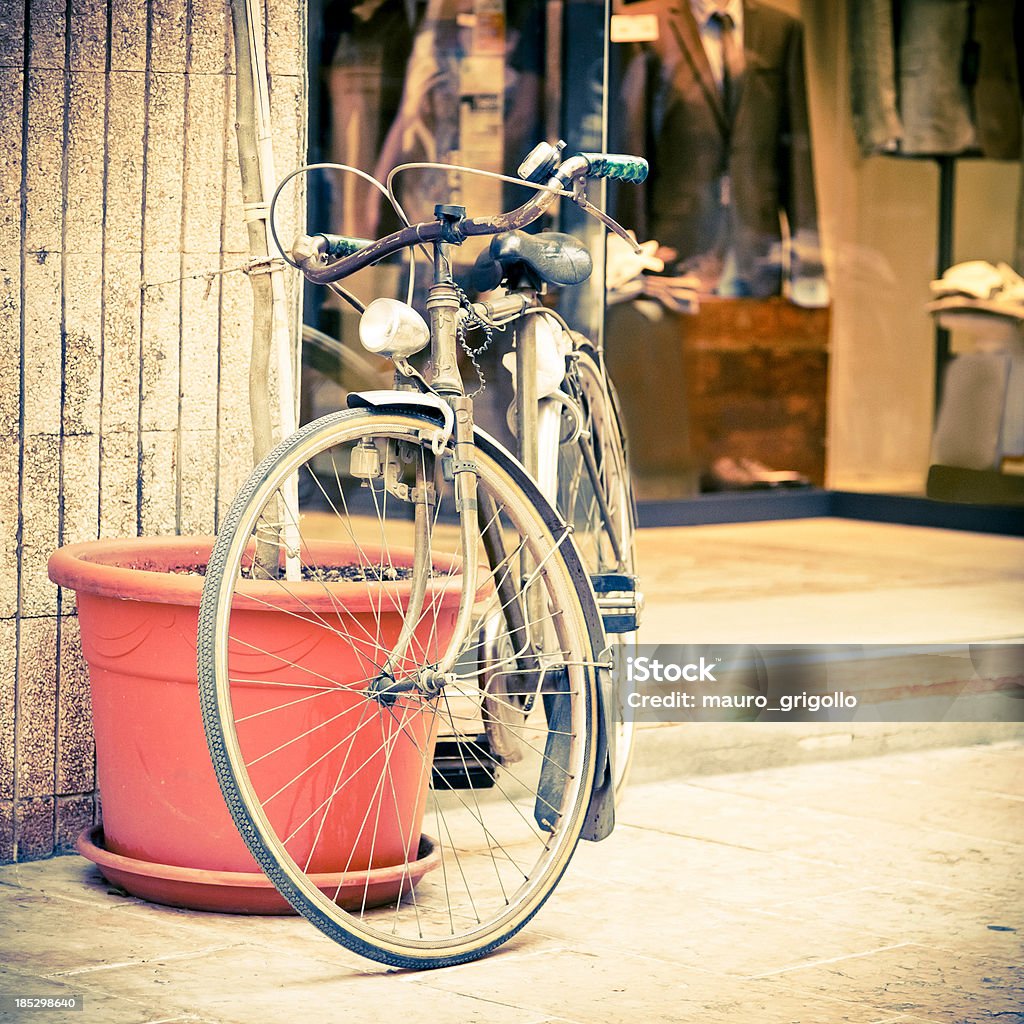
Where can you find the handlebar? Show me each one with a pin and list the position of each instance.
(325, 258)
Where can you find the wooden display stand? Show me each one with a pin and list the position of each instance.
(741, 378)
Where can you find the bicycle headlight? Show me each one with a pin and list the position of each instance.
(391, 328)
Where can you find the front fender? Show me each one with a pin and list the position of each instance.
(601, 813)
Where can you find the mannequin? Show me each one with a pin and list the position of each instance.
(730, 198)
(731, 191)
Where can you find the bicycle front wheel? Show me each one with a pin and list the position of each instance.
(360, 775)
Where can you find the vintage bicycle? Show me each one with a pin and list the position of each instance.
(444, 714)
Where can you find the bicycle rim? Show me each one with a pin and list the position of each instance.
(386, 818)
(578, 502)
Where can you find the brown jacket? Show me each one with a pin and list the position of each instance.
(670, 110)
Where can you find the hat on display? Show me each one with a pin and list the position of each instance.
(979, 287)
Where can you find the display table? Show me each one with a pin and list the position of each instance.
(741, 378)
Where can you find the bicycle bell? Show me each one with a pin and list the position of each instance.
(541, 162)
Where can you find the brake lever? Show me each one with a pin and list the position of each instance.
(579, 197)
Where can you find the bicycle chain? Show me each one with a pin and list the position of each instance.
(472, 319)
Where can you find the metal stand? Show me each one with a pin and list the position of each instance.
(947, 196)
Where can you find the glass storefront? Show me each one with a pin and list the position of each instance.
(461, 83)
(935, 183)
(815, 166)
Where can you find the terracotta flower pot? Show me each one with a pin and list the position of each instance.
(138, 602)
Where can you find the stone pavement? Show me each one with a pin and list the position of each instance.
(884, 890)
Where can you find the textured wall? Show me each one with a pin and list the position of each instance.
(123, 403)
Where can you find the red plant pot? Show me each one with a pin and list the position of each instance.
(138, 608)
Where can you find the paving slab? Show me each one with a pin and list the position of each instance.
(985, 924)
(852, 815)
(243, 983)
(829, 581)
(953, 989)
(701, 933)
(108, 1007)
(655, 861)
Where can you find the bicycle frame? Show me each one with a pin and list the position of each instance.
(443, 305)
(539, 423)
(538, 430)
(443, 308)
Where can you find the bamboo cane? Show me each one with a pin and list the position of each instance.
(270, 331)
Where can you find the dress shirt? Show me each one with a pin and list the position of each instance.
(711, 30)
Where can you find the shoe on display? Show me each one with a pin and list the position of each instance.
(742, 474)
(767, 477)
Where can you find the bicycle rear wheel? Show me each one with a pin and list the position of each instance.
(598, 500)
(365, 785)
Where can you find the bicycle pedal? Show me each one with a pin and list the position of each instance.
(618, 601)
(613, 582)
(464, 764)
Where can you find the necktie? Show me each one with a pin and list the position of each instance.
(732, 59)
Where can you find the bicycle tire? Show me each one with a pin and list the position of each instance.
(539, 803)
(603, 433)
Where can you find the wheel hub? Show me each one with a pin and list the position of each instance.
(386, 689)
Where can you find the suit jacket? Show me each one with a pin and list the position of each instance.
(671, 112)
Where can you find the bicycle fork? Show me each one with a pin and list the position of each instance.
(443, 306)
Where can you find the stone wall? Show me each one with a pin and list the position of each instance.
(123, 340)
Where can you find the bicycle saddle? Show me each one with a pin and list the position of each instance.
(550, 256)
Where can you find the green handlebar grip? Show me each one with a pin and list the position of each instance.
(618, 166)
(343, 245)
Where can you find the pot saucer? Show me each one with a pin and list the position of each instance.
(242, 892)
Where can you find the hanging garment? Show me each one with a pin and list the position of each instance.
(936, 77)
